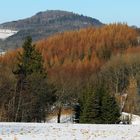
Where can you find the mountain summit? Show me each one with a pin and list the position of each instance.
(44, 24)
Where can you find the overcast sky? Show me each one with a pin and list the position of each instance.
(107, 11)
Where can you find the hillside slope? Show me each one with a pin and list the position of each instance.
(45, 24)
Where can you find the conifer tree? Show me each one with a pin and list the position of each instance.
(32, 93)
(110, 111)
(100, 108)
(91, 110)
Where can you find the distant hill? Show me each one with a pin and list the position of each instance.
(45, 24)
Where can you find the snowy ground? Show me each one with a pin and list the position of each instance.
(2, 53)
(135, 118)
(5, 33)
(64, 119)
(69, 131)
(53, 131)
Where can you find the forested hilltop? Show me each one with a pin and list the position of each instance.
(45, 24)
(94, 67)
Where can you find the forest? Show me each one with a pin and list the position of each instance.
(98, 68)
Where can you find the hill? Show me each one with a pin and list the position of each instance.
(91, 44)
(45, 24)
(77, 59)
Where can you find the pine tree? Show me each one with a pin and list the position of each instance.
(91, 110)
(110, 111)
(32, 91)
(100, 108)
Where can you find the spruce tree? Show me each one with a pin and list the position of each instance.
(91, 109)
(32, 91)
(100, 108)
(110, 111)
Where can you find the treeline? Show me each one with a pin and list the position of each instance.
(87, 44)
(93, 66)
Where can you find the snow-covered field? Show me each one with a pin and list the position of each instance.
(53, 131)
(69, 131)
(5, 33)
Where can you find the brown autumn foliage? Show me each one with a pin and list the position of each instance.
(84, 48)
(72, 58)
(78, 54)
(86, 45)
(81, 53)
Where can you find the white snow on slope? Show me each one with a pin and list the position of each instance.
(5, 33)
(135, 118)
(2, 53)
(51, 131)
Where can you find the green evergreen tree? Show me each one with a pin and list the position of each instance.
(91, 110)
(32, 90)
(110, 111)
(30, 60)
(100, 108)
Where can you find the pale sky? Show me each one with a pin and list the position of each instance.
(107, 11)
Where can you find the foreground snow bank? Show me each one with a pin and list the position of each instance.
(51, 131)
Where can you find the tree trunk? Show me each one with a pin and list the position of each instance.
(19, 99)
(59, 114)
(18, 108)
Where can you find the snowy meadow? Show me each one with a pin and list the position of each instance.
(53, 131)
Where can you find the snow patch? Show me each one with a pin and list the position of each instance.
(5, 33)
(64, 119)
(2, 53)
(135, 118)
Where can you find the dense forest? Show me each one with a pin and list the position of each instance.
(99, 68)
